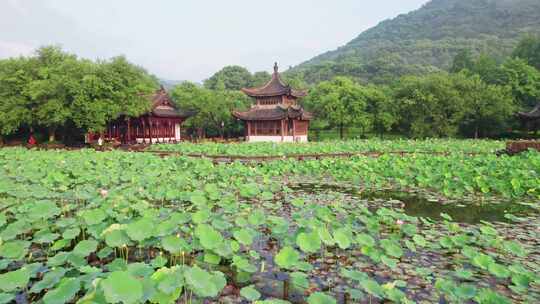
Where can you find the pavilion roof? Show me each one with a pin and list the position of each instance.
(163, 106)
(533, 114)
(276, 113)
(275, 87)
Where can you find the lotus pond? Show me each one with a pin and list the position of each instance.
(119, 227)
(265, 149)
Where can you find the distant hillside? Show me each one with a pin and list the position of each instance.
(428, 39)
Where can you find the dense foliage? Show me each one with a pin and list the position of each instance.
(349, 146)
(427, 40)
(112, 227)
(55, 90)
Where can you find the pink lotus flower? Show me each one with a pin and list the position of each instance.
(399, 222)
(103, 192)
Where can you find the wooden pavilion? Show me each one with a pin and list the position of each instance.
(530, 120)
(276, 114)
(161, 124)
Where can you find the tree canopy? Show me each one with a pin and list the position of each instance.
(54, 89)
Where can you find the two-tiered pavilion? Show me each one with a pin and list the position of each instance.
(276, 114)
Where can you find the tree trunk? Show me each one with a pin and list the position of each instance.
(52, 134)
(1, 140)
(476, 132)
(341, 130)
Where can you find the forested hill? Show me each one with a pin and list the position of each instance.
(428, 39)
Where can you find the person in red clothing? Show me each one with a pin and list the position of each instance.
(32, 140)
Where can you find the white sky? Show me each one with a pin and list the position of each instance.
(192, 39)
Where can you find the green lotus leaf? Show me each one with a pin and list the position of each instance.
(116, 238)
(43, 210)
(201, 216)
(6, 298)
(15, 250)
(210, 238)
(243, 264)
(287, 258)
(392, 248)
(514, 248)
(72, 233)
(211, 258)
(354, 275)
(391, 263)
(309, 242)
(483, 260)
(244, 236)
(198, 199)
(250, 293)
(203, 283)
(372, 287)
(169, 280)
(320, 298)
(140, 230)
(86, 247)
(93, 217)
(365, 240)
(14, 280)
(299, 281)
(465, 291)
(343, 238)
(488, 296)
(50, 279)
(326, 237)
(64, 292)
(464, 274)
(498, 270)
(257, 218)
(120, 286)
(419, 240)
(173, 244)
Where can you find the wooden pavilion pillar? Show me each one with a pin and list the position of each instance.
(143, 131)
(248, 129)
(282, 131)
(128, 135)
(294, 129)
(150, 129)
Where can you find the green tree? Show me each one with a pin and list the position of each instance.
(380, 108)
(524, 81)
(110, 89)
(488, 108)
(340, 103)
(14, 101)
(528, 49)
(430, 106)
(52, 87)
(213, 107)
(463, 60)
(260, 79)
(230, 78)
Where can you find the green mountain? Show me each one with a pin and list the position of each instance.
(428, 39)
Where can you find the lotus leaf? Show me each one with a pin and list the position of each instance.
(320, 298)
(287, 258)
(250, 293)
(14, 280)
(203, 283)
(120, 286)
(64, 292)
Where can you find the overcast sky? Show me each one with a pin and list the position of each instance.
(192, 39)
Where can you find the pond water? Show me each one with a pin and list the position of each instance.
(414, 204)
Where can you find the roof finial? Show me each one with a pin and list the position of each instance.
(275, 68)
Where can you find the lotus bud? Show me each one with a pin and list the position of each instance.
(103, 192)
